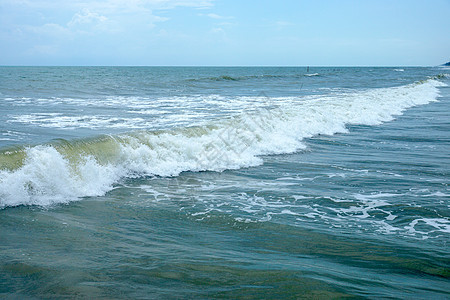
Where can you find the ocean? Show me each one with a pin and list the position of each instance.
(224, 182)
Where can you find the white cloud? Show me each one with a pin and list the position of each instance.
(216, 16)
(79, 29)
(105, 7)
(86, 17)
(91, 17)
(126, 6)
(168, 4)
(119, 13)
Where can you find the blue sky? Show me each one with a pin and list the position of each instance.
(225, 32)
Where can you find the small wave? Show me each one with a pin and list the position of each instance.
(224, 77)
(312, 74)
(240, 78)
(63, 171)
(399, 70)
(441, 76)
(218, 78)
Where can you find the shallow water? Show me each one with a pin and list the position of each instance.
(224, 182)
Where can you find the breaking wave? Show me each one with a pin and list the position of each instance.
(63, 171)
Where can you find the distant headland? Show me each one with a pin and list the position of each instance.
(447, 64)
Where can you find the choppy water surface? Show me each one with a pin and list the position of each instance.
(121, 182)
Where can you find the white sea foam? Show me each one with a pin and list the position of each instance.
(47, 177)
(371, 197)
(436, 225)
(57, 120)
(50, 174)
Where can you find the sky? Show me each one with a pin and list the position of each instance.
(225, 32)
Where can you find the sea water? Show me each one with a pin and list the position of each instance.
(186, 182)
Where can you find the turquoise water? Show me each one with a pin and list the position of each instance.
(142, 183)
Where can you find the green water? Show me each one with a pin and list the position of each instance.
(341, 192)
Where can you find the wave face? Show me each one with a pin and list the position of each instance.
(64, 171)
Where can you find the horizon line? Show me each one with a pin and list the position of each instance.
(237, 66)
